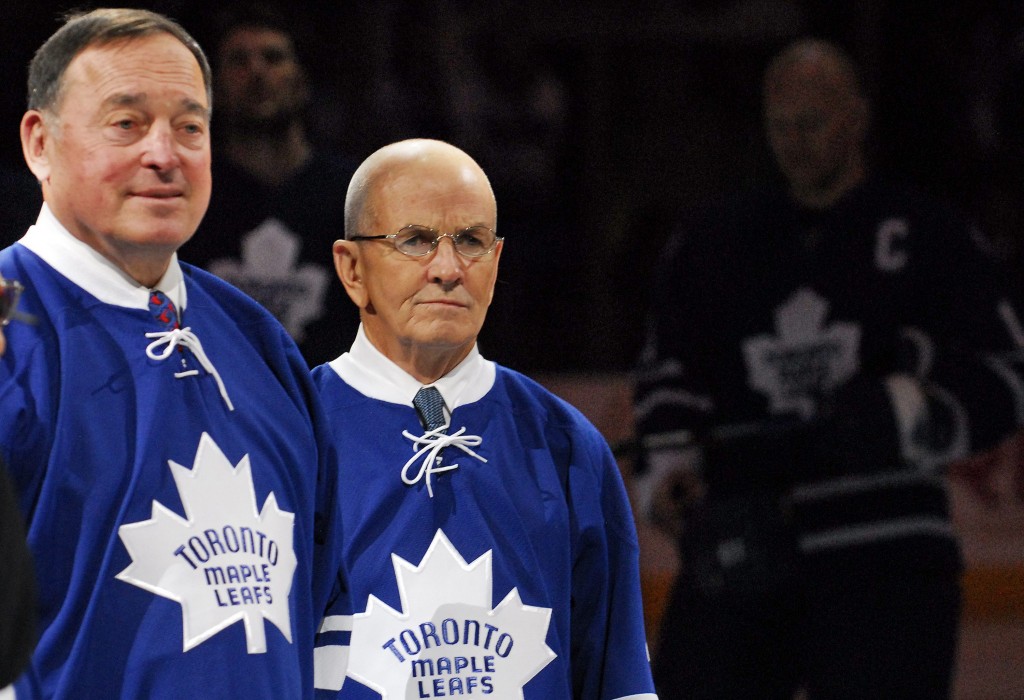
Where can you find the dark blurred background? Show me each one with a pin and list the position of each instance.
(599, 122)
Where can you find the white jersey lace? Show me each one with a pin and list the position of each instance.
(428, 446)
(186, 338)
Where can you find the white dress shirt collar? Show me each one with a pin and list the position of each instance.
(369, 372)
(87, 268)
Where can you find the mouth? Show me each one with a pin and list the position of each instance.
(448, 303)
(159, 193)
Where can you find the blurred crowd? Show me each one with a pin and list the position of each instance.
(600, 122)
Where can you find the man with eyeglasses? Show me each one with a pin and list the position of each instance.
(486, 525)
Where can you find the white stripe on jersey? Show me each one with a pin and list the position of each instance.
(875, 532)
(336, 623)
(1012, 321)
(330, 663)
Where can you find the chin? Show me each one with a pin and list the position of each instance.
(448, 338)
(163, 235)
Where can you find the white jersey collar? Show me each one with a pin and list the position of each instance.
(369, 372)
(87, 268)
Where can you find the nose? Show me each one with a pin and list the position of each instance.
(255, 64)
(445, 266)
(160, 150)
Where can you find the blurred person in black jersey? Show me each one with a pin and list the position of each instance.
(277, 207)
(820, 353)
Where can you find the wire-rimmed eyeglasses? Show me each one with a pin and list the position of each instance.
(417, 241)
(10, 293)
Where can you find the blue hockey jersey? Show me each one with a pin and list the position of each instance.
(497, 558)
(172, 504)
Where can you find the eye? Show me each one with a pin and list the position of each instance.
(124, 124)
(274, 55)
(467, 239)
(474, 239)
(416, 240)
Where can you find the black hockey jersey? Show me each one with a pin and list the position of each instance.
(768, 314)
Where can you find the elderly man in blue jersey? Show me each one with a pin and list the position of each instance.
(486, 522)
(162, 432)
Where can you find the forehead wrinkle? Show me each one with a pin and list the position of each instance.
(97, 73)
(443, 180)
(445, 210)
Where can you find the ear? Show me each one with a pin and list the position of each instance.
(349, 266)
(34, 137)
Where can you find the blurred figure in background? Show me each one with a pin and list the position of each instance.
(818, 354)
(510, 107)
(277, 207)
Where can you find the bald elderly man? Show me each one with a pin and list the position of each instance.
(492, 546)
(829, 347)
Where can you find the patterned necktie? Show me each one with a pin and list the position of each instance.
(430, 404)
(163, 309)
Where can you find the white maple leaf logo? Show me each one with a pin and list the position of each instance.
(805, 358)
(448, 640)
(270, 272)
(226, 561)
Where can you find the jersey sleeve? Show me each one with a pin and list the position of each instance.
(609, 648)
(669, 393)
(965, 351)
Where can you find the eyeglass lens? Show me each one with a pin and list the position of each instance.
(471, 242)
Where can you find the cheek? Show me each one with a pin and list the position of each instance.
(387, 293)
(81, 179)
(482, 282)
(196, 155)
(98, 167)
(197, 172)
(195, 166)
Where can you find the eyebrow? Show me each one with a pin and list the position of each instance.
(135, 99)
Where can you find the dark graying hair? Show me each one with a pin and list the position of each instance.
(96, 28)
